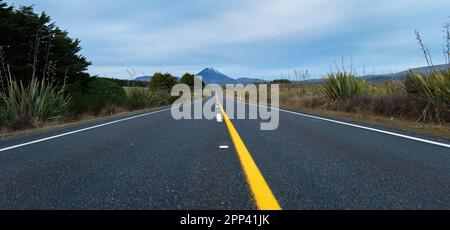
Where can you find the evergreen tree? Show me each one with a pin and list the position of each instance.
(188, 79)
(32, 45)
(162, 81)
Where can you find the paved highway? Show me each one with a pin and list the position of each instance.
(152, 161)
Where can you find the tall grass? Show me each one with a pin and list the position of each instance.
(342, 86)
(312, 90)
(163, 97)
(21, 106)
(139, 98)
(433, 91)
(387, 88)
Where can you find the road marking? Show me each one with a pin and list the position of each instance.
(219, 118)
(357, 126)
(224, 147)
(264, 198)
(94, 127)
(81, 130)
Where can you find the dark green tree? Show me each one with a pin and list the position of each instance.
(32, 45)
(188, 79)
(162, 81)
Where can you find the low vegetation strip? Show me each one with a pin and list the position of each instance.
(421, 100)
(421, 97)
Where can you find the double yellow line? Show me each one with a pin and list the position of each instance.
(264, 198)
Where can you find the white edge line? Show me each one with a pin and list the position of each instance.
(89, 128)
(80, 130)
(355, 126)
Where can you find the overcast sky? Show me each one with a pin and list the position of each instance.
(260, 38)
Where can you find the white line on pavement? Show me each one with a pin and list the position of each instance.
(357, 126)
(93, 127)
(81, 130)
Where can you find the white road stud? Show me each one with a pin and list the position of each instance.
(219, 118)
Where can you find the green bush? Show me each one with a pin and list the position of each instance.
(189, 79)
(163, 82)
(39, 101)
(342, 86)
(163, 97)
(139, 98)
(433, 91)
(281, 81)
(95, 94)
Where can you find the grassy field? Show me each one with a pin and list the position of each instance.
(419, 104)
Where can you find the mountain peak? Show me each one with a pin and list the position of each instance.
(210, 69)
(211, 75)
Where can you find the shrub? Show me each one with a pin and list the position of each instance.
(281, 81)
(163, 97)
(95, 94)
(161, 81)
(21, 106)
(342, 85)
(139, 98)
(189, 80)
(433, 92)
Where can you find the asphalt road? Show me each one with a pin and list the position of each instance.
(155, 162)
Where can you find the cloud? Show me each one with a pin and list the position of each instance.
(243, 38)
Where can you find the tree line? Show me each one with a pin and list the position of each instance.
(31, 45)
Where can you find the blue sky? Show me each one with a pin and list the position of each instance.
(250, 38)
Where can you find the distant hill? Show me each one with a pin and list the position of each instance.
(401, 75)
(213, 76)
(148, 78)
(393, 76)
(245, 80)
(143, 78)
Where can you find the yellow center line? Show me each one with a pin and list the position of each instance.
(264, 198)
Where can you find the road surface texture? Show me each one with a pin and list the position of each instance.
(155, 162)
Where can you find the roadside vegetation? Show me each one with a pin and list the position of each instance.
(422, 98)
(43, 77)
(23, 106)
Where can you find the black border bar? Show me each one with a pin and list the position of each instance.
(276, 218)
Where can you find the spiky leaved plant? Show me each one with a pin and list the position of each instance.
(343, 85)
(433, 90)
(139, 98)
(39, 101)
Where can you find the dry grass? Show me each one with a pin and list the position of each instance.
(108, 113)
(386, 104)
(406, 125)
